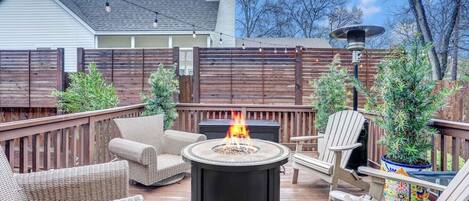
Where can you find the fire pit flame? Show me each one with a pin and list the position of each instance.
(237, 140)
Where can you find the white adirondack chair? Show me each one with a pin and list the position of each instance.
(340, 138)
(457, 189)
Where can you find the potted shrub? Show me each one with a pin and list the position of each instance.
(404, 100)
(330, 95)
(164, 85)
(87, 92)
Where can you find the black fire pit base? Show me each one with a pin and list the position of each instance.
(253, 185)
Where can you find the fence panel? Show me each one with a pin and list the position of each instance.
(270, 76)
(128, 69)
(27, 77)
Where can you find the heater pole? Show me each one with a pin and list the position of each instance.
(355, 61)
(355, 94)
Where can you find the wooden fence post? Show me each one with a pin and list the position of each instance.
(29, 78)
(196, 76)
(60, 69)
(299, 75)
(80, 59)
(176, 60)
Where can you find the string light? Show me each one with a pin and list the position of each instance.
(107, 7)
(221, 40)
(285, 50)
(275, 50)
(260, 47)
(193, 32)
(155, 23)
(243, 46)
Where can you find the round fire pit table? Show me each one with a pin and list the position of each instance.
(225, 176)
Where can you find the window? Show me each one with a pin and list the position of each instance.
(114, 42)
(185, 61)
(151, 41)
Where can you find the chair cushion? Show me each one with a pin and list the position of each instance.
(169, 165)
(9, 188)
(313, 163)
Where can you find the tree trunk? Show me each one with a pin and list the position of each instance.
(454, 56)
(421, 19)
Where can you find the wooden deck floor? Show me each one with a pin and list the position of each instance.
(309, 188)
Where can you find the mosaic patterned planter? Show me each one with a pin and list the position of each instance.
(402, 191)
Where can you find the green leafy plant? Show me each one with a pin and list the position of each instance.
(86, 92)
(164, 85)
(404, 99)
(330, 93)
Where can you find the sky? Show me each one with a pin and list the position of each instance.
(377, 12)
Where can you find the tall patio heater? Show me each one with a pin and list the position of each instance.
(355, 35)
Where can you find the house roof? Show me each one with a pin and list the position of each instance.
(282, 42)
(127, 17)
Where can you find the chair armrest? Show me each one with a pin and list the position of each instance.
(175, 141)
(106, 181)
(305, 138)
(346, 147)
(133, 151)
(397, 177)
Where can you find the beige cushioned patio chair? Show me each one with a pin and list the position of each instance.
(340, 138)
(153, 154)
(457, 189)
(102, 182)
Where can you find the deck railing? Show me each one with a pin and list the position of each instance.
(294, 120)
(63, 140)
(450, 145)
(82, 138)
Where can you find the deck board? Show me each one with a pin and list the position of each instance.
(309, 187)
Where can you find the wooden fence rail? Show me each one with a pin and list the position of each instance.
(82, 138)
(62, 141)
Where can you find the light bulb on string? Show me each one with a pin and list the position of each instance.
(275, 50)
(193, 32)
(285, 51)
(107, 7)
(260, 47)
(243, 46)
(155, 23)
(221, 40)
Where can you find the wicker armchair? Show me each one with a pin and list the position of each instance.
(104, 182)
(153, 154)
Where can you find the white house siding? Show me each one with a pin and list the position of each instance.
(30, 24)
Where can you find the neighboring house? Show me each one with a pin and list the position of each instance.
(283, 42)
(27, 24)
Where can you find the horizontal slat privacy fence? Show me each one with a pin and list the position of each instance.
(128, 69)
(27, 77)
(270, 76)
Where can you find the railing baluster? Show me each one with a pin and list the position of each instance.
(433, 155)
(57, 148)
(66, 140)
(24, 155)
(455, 154)
(35, 144)
(47, 150)
(10, 151)
(443, 160)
